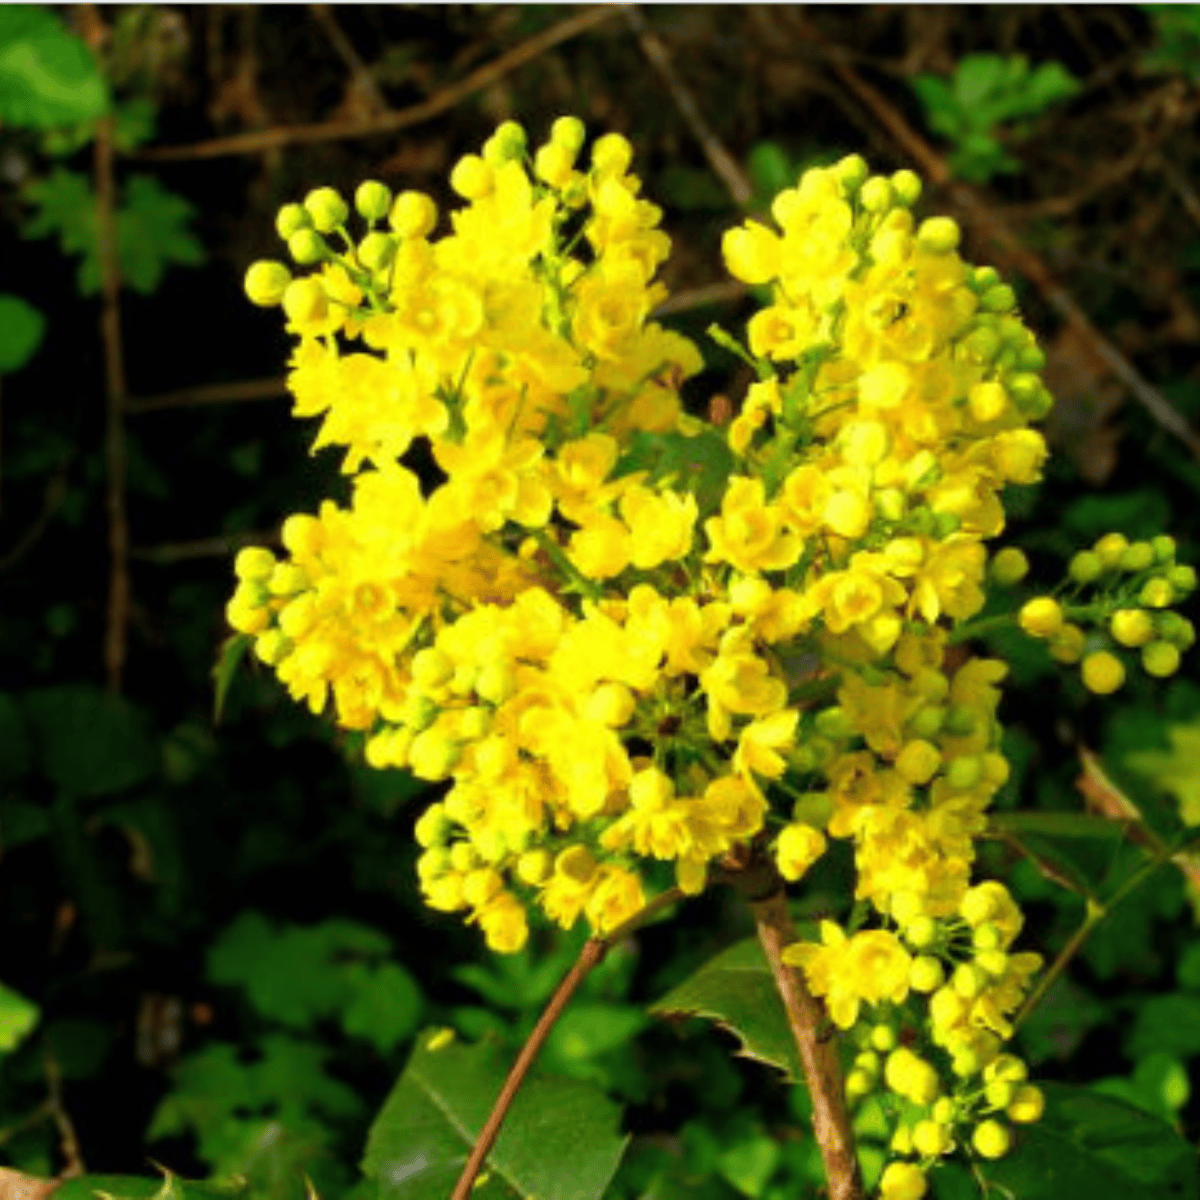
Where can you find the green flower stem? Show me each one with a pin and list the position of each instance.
(972, 629)
(592, 954)
(554, 552)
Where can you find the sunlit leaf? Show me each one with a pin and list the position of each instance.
(21, 330)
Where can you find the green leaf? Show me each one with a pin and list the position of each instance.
(1168, 1023)
(386, 1005)
(771, 169)
(700, 463)
(1187, 970)
(750, 1163)
(88, 742)
(17, 1017)
(1094, 1146)
(48, 77)
(1175, 771)
(15, 759)
(233, 650)
(151, 227)
(736, 989)
(21, 329)
(559, 1139)
(152, 233)
(138, 1187)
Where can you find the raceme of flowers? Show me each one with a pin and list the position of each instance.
(630, 642)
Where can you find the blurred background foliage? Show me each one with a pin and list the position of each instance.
(215, 956)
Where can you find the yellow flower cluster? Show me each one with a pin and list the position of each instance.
(624, 638)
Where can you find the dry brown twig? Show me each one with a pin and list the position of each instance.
(211, 393)
(987, 223)
(361, 79)
(258, 141)
(722, 162)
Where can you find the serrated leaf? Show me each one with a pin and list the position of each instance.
(559, 1140)
(17, 1017)
(138, 1187)
(1094, 1146)
(153, 234)
(1168, 1023)
(88, 742)
(48, 76)
(736, 989)
(385, 1007)
(21, 330)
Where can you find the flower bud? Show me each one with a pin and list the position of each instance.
(1110, 548)
(1137, 557)
(991, 1139)
(1041, 617)
(376, 251)
(1182, 578)
(611, 154)
(254, 563)
(305, 301)
(987, 401)
(939, 235)
(1103, 673)
(569, 133)
(306, 247)
(1009, 566)
(266, 281)
(413, 215)
(930, 1140)
(876, 195)
(290, 219)
(1027, 1105)
(1160, 659)
(1086, 567)
(998, 299)
(1157, 593)
(372, 199)
(472, 178)
(326, 208)
(851, 171)
(906, 187)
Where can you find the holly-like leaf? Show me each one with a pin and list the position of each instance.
(17, 1017)
(736, 989)
(560, 1138)
(138, 1187)
(21, 330)
(385, 1007)
(48, 77)
(1094, 1146)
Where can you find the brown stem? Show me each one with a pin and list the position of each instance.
(818, 1050)
(291, 135)
(594, 950)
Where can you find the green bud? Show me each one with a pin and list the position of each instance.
(906, 187)
(944, 524)
(266, 281)
(1182, 578)
(833, 723)
(373, 200)
(964, 772)
(982, 344)
(1086, 567)
(1173, 628)
(939, 235)
(1158, 593)
(960, 721)
(291, 218)
(1009, 566)
(999, 299)
(926, 723)
(307, 247)
(1160, 659)
(813, 808)
(327, 209)
(983, 278)
(1136, 557)
(852, 171)
(1164, 548)
(1031, 358)
(569, 133)
(509, 141)
(876, 195)
(376, 251)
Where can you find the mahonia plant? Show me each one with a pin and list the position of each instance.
(617, 670)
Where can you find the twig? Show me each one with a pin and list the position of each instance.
(43, 1112)
(69, 1142)
(989, 224)
(257, 141)
(360, 77)
(213, 393)
(721, 161)
(710, 294)
(213, 547)
(818, 1053)
(52, 497)
(114, 433)
(594, 950)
